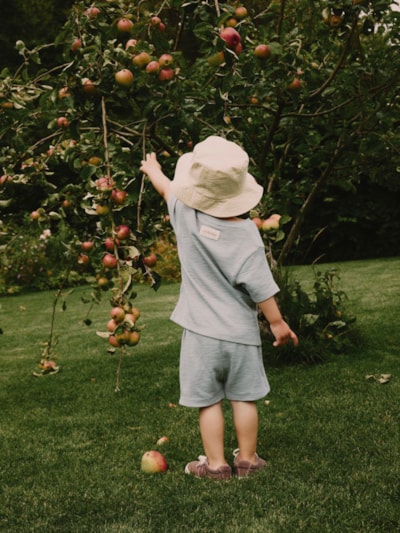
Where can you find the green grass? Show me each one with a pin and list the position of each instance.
(71, 447)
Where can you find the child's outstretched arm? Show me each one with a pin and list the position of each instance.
(159, 180)
(279, 328)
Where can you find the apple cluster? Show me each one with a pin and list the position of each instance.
(122, 326)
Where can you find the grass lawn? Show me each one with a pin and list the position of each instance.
(71, 447)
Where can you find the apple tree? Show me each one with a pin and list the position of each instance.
(308, 89)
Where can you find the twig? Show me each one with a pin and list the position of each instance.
(105, 135)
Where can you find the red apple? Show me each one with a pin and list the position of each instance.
(119, 197)
(111, 325)
(153, 67)
(166, 74)
(125, 25)
(153, 462)
(110, 261)
(294, 85)
(262, 51)
(161, 27)
(130, 43)
(122, 232)
(88, 87)
(165, 60)
(83, 259)
(109, 244)
(76, 45)
(230, 36)
(35, 215)
(132, 338)
(124, 78)
(238, 48)
(117, 314)
(162, 440)
(141, 60)
(135, 312)
(63, 93)
(62, 122)
(155, 21)
(150, 260)
(92, 12)
(241, 12)
(105, 183)
(87, 245)
(113, 341)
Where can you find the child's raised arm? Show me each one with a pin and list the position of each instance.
(159, 180)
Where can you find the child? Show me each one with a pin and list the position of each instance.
(225, 277)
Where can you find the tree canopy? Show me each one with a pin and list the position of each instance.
(316, 106)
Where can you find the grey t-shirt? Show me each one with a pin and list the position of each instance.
(224, 273)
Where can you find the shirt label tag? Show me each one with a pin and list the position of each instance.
(210, 233)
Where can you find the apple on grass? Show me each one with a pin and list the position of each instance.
(153, 462)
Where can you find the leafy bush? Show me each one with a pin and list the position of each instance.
(319, 318)
(37, 258)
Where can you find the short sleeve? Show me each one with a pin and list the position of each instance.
(256, 279)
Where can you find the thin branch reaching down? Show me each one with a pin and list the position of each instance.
(305, 208)
(105, 135)
(280, 20)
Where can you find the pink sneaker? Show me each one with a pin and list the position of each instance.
(245, 468)
(200, 468)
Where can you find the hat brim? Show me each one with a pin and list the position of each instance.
(184, 189)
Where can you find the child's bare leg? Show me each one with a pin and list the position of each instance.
(245, 417)
(211, 421)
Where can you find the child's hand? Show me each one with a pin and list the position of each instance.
(150, 164)
(283, 334)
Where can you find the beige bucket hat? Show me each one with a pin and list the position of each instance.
(214, 179)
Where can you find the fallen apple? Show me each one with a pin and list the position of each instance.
(153, 462)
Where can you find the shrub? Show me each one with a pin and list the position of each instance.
(319, 318)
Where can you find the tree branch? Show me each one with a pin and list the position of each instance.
(342, 57)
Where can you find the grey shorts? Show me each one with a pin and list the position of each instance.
(211, 370)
